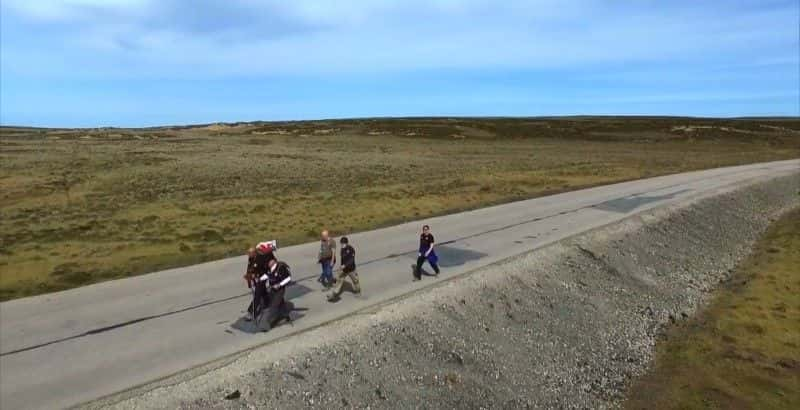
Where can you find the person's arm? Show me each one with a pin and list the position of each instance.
(283, 282)
(287, 278)
(333, 252)
(248, 273)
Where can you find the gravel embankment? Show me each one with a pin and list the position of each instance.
(566, 326)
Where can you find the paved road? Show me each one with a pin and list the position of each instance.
(70, 347)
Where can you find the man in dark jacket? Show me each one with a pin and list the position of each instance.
(258, 259)
(250, 271)
(250, 277)
(278, 276)
(348, 270)
(259, 288)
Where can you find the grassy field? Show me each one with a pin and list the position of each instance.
(86, 205)
(744, 351)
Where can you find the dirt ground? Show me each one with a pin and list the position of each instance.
(79, 206)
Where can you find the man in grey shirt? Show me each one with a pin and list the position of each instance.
(327, 258)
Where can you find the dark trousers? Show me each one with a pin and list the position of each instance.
(420, 261)
(261, 299)
(277, 308)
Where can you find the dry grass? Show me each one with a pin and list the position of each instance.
(81, 206)
(744, 351)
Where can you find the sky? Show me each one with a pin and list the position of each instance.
(129, 63)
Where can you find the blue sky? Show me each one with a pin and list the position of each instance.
(152, 62)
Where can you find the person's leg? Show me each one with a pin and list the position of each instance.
(337, 289)
(250, 311)
(260, 299)
(267, 300)
(276, 304)
(354, 278)
(327, 270)
(418, 270)
(434, 266)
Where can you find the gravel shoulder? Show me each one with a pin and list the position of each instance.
(569, 325)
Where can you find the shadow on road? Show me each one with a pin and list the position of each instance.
(628, 204)
(450, 256)
(295, 290)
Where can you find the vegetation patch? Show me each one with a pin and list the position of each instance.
(743, 352)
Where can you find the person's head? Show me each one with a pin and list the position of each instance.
(264, 248)
(325, 235)
(344, 240)
(251, 252)
(426, 229)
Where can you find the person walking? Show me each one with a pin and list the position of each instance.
(278, 277)
(258, 259)
(251, 277)
(250, 271)
(348, 262)
(426, 252)
(327, 258)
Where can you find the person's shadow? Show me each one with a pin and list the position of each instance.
(346, 287)
(294, 290)
(450, 256)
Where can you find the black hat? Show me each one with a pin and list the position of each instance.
(344, 240)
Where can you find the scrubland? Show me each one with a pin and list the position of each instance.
(78, 206)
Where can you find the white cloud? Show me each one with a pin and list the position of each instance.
(180, 38)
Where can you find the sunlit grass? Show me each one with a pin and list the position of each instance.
(744, 350)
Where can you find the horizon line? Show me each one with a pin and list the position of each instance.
(434, 117)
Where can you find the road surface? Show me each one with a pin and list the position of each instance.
(66, 348)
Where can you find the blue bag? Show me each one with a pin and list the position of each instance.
(433, 258)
